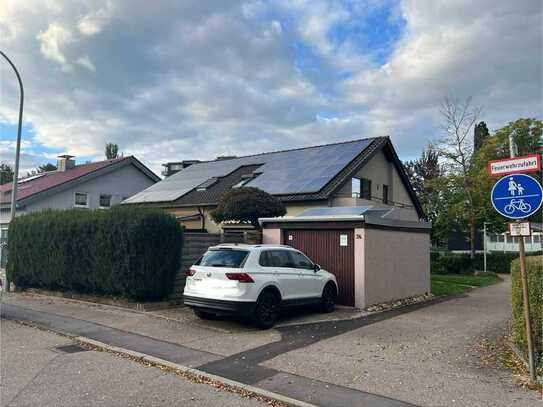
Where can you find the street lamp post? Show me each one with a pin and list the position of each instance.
(17, 148)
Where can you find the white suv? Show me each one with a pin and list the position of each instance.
(256, 281)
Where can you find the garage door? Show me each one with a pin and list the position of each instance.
(333, 250)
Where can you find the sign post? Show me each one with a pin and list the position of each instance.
(517, 196)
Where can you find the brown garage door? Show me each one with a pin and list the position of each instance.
(333, 250)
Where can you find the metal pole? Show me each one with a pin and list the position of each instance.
(524, 281)
(17, 149)
(526, 309)
(484, 246)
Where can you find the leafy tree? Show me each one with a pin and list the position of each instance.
(247, 204)
(480, 135)
(46, 168)
(6, 173)
(426, 176)
(527, 133)
(112, 151)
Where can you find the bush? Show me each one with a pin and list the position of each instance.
(247, 204)
(127, 252)
(497, 262)
(534, 270)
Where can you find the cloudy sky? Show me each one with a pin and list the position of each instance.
(173, 80)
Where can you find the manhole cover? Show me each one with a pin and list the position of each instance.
(70, 349)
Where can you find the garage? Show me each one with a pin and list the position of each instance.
(375, 257)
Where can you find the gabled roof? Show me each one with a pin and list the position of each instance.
(303, 174)
(34, 186)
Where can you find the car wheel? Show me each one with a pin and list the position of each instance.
(267, 310)
(204, 314)
(328, 300)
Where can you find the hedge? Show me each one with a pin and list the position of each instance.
(132, 253)
(497, 262)
(534, 269)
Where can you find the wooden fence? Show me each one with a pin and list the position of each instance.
(196, 244)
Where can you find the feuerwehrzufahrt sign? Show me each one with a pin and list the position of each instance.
(526, 163)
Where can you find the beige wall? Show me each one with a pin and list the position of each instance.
(391, 265)
(380, 171)
(271, 236)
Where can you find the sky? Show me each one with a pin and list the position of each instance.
(175, 80)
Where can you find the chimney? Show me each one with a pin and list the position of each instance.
(225, 157)
(65, 162)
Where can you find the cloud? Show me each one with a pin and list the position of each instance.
(92, 23)
(53, 40)
(179, 80)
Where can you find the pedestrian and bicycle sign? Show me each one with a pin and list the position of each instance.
(517, 196)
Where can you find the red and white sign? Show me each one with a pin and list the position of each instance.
(520, 229)
(526, 163)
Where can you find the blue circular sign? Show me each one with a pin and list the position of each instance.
(517, 196)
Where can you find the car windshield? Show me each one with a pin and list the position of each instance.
(224, 258)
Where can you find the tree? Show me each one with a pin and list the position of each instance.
(480, 135)
(46, 168)
(6, 173)
(527, 133)
(426, 176)
(457, 148)
(247, 204)
(112, 151)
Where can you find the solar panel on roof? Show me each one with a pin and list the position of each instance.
(336, 210)
(305, 170)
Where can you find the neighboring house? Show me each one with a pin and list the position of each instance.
(353, 173)
(458, 242)
(101, 184)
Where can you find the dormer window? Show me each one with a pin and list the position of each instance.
(244, 180)
(210, 182)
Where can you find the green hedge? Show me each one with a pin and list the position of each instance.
(497, 262)
(124, 252)
(534, 269)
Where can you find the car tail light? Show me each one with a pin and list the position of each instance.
(241, 277)
(190, 272)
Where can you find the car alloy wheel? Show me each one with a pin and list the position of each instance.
(328, 301)
(267, 310)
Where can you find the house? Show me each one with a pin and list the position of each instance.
(353, 173)
(100, 184)
(458, 242)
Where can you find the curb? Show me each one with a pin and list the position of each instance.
(195, 372)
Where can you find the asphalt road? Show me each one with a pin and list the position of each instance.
(35, 372)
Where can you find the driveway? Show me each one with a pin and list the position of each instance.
(428, 357)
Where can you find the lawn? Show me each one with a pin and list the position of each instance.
(447, 284)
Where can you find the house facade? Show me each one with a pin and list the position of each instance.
(95, 185)
(355, 173)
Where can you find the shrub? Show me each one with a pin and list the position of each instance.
(247, 204)
(497, 262)
(534, 270)
(127, 252)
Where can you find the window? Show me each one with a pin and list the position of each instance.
(300, 261)
(385, 194)
(276, 258)
(355, 186)
(501, 238)
(536, 238)
(3, 233)
(81, 200)
(105, 201)
(493, 238)
(223, 258)
(205, 185)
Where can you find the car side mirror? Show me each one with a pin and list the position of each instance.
(316, 267)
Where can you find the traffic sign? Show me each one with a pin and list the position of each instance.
(520, 229)
(514, 165)
(517, 196)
